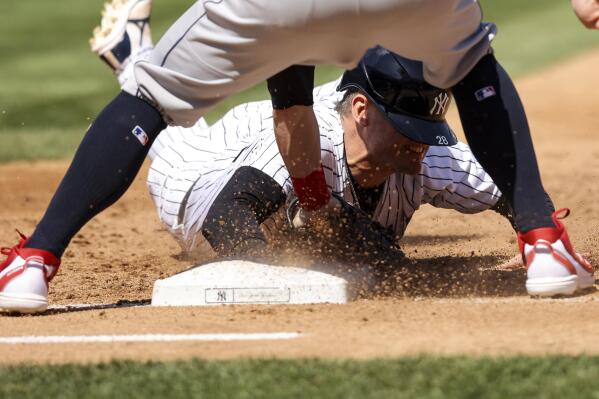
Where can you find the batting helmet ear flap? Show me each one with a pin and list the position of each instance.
(397, 88)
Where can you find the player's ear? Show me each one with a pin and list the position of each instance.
(359, 109)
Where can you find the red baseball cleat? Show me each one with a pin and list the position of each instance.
(553, 267)
(24, 278)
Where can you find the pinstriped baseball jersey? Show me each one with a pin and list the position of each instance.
(191, 166)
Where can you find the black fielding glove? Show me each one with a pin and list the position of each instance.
(292, 86)
(351, 236)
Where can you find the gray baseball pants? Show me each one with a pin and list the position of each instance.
(220, 47)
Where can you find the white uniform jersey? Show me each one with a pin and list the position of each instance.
(192, 165)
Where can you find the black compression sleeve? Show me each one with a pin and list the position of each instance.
(504, 209)
(292, 86)
(232, 225)
(105, 165)
(497, 130)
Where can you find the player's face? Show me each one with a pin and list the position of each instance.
(391, 151)
(374, 149)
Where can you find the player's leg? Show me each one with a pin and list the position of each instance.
(497, 130)
(110, 156)
(207, 195)
(116, 143)
(104, 166)
(215, 49)
(123, 36)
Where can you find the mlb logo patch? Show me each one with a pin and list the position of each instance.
(484, 93)
(141, 135)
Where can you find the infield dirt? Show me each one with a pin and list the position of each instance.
(455, 302)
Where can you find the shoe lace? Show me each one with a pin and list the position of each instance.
(560, 214)
(7, 250)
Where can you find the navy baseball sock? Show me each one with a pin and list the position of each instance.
(497, 130)
(104, 166)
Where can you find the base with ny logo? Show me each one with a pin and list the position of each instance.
(242, 282)
(254, 295)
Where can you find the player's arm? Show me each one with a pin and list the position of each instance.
(232, 225)
(297, 134)
(452, 178)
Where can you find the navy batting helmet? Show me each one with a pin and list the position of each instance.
(397, 87)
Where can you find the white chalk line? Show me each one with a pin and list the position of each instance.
(78, 339)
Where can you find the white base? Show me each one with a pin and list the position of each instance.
(243, 282)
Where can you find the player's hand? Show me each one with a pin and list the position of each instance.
(346, 226)
(344, 233)
(318, 220)
(588, 12)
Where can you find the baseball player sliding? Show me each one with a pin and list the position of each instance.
(228, 182)
(218, 48)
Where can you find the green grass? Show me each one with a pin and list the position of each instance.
(535, 33)
(51, 86)
(424, 377)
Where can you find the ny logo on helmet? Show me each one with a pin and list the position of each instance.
(441, 102)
